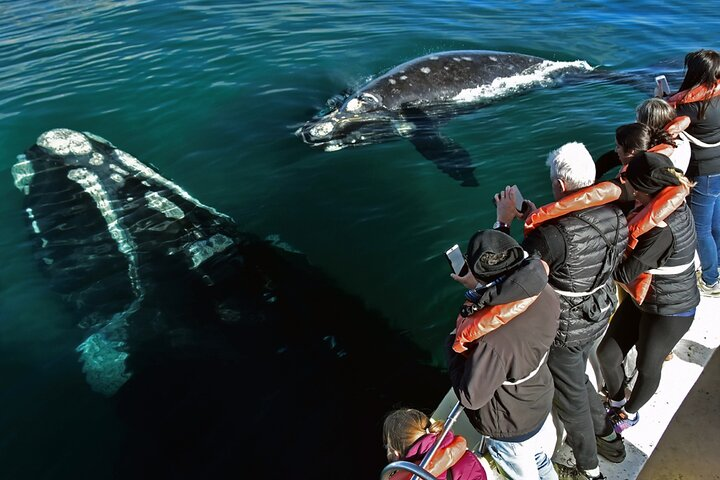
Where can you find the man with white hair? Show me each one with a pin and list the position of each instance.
(582, 247)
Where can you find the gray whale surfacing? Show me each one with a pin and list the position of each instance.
(413, 99)
(214, 343)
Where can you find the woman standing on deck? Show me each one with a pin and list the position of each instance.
(658, 321)
(699, 99)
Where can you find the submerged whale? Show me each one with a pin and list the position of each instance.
(223, 351)
(413, 99)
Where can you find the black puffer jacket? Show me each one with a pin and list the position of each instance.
(583, 248)
(676, 292)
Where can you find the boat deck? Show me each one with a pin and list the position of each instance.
(670, 442)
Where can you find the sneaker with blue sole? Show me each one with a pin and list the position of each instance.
(620, 420)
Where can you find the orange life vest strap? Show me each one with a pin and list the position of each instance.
(677, 125)
(481, 323)
(639, 287)
(697, 94)
(472, 327)
(662, 205)
(592, 196)
(662, 148)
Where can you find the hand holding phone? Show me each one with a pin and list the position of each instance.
(520, 204)
(457, 261)
(662, 88)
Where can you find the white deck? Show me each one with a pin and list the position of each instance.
(679, 375)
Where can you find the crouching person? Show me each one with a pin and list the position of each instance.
(497, 354)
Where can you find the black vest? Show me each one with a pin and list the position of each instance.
(595, 240)
(677, 292)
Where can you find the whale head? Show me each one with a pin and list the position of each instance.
(361, 119)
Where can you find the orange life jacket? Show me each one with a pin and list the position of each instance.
(696, 94)
(489, 318)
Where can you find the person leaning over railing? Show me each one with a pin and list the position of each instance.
(655, 320)
(497, 354)
(582, 241)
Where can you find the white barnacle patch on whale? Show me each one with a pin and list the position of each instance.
(203, 249)
(403, 77)
(392, 81)
(117, 178)
(163, 205)
(425, 70)
(22, 173)
(148, 173)
(494, 59)
(90, 183)
(96, 159)
(540, 74)
(63, 142)
(324, 128)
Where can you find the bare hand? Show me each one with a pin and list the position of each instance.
(468, 280)
(530, 207)
(505, 205)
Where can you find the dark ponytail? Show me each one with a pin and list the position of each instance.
(638, 137)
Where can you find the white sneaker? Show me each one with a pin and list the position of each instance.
(709, 290)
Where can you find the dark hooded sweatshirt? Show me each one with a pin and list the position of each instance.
(509, 354)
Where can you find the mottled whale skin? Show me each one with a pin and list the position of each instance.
(411, 99)
(211, 340)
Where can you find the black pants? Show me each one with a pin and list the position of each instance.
(577, 403)
(653, 336)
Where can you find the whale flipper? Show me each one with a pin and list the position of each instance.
(449, 156)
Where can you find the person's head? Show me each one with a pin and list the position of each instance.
(571, 168)
(702, 67)
(491, 254)
(655, 113)
(648, 173)
(404, 427)
(634, 138)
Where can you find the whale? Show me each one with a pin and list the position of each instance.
(414, 99)
(217, 348)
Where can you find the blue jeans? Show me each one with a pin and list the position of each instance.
(528, 460)
(705, 206)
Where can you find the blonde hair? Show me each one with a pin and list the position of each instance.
(684, 181)
(405, 426)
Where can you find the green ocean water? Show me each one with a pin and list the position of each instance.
(211, 93)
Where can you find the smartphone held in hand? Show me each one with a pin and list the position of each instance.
(662, 84)
(520, 204)
(457, 260)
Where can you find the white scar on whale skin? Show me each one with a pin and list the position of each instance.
(23, 174)
(90, 183)
(163, 205)
(141, 170)
(502, 86)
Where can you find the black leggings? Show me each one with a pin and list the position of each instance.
(653, 335)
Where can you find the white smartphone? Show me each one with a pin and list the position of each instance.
(457, 261)
(519, 200)
(662, 84)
